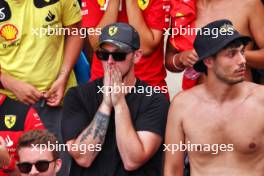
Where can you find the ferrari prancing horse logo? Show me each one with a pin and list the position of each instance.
(143, 4)
(112, 30)
(10, 121)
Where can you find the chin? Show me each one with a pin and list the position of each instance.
(236, 81)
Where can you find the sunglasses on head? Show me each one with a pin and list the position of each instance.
(117, 56)
(41, 166)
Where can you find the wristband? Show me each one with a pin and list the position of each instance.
(11, 167)
(176, 66)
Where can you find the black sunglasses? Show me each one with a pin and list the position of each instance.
(117, 56)
(41, 166)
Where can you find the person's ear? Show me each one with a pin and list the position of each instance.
(208, 62)
(137, 56)
(58, 165)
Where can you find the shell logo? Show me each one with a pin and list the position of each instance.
(9, 32)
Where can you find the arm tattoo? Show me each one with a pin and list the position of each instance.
(97, 128)
(87, 132)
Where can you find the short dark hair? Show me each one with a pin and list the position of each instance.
(35, 137)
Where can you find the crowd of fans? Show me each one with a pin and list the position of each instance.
(123, 121)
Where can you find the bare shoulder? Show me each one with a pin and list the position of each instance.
(187, 98)
(255, 90)
(249, 3)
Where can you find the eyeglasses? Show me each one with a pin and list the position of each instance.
(41, 166)
(117, 56)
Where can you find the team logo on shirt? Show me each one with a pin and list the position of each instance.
(50, 17)
(112, 30)
(10, 121)
(9, 32)
(5, 12)
(44, 3)
(178, 14)
(143, 4)
(101, 2)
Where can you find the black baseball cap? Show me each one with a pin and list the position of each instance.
(213, 37)
(122, 35)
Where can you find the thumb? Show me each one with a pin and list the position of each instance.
(49, 92)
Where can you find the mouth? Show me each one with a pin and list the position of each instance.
(241, 71)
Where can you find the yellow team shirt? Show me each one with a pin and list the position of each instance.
(28, 52)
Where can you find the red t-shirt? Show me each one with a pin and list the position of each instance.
(149, 69)
(183, 15)
(16, 119)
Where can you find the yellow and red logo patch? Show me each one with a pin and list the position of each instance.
(9, 32)
(101, 2)
(143, 4)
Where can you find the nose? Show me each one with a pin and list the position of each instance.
(110, 60)
(241, 59)
(33, 171)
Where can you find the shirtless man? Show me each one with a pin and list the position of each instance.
(247, 17)
(225, 113)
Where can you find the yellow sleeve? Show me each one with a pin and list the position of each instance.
(71, 12)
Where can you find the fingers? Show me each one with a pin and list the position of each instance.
(55, 101)
(30, 97)
(35, 94)
(107, 75)
(116, 77)
(54, 97)
(2, 141)
(194, 53)
(189, 59)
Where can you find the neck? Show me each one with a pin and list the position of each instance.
(221, 91)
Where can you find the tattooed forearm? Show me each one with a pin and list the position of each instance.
(97, 128)
(87, 132)
(101, 126)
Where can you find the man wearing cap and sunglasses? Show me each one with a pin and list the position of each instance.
(35, 156)
(122, 130)
(220, 122)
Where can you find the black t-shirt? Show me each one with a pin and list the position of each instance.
(148, 113)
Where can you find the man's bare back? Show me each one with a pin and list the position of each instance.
(236, 126)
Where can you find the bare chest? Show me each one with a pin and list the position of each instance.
(242, 127)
